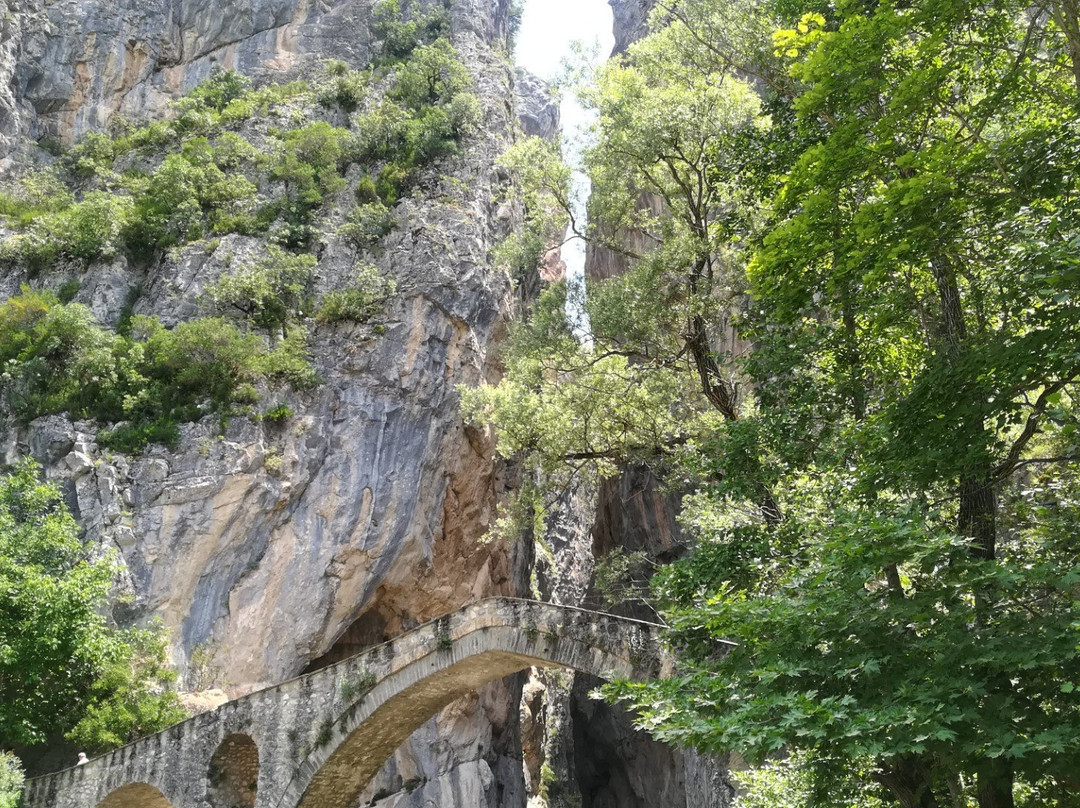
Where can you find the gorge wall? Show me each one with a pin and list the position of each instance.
(260, 546)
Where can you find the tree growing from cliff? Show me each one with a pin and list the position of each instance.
(272, 291)
(63, 669)
(904, 226)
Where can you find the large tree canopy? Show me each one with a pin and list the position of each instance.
(850, 332)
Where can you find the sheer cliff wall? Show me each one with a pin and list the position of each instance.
(263, 548)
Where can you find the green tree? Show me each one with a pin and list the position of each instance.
(433, 75)
(400, 33)
(221, 89)
(126, 701)
(272, 291)
(58, 359)
(11, 780)
(310, 161)
(358, 302)
(58, 655)
(887, 261)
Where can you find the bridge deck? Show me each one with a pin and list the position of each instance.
(317, 740)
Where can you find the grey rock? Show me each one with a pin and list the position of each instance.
(52, 439)
(537, 108)
(631, 21)
(78, 464)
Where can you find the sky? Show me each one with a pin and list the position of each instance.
(549, 26)
(548, 29)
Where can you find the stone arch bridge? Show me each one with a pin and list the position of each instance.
(317, 741)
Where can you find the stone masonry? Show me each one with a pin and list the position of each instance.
(316, 741)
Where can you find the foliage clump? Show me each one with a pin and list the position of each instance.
(64, 670)
(56, 358)
(400, 33)
(358, 302)
(367, 223)
(12, 778)
(347, 89)
(138, 191)
(272, 291)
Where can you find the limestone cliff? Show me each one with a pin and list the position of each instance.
(68, 66)
(631, 21)
(267, 548)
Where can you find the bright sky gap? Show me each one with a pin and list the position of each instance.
(548, 31)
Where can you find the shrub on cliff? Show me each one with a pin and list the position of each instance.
(33, 195)
(271, 291)
(400, 33)
(56, 358)
(345, 88)
(359, 301)
(88, 230)
(367, 223)
(310, 162)
(221, 89)
(433, 75)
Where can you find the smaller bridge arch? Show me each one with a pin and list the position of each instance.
(136, 795)
(233, 773)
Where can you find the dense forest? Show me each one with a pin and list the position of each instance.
(849, 337)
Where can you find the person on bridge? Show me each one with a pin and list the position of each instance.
(83, 759)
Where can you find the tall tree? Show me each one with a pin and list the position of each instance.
(897, 225)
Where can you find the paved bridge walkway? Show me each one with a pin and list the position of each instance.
(317, 741)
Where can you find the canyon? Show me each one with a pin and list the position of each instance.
(268, 550)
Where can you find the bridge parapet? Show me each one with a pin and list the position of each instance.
(318, 740)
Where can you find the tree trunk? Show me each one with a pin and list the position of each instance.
(978, 512)
(909, 779)
(977, 518)
(1067, 17)
(995, 784)
(723, 397)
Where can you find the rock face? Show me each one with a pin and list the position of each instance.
(537, 108)
(260, 546)
(68, 66)
(631, 18)
(594, 756)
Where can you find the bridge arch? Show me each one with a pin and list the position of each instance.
(343, 721)
(136, 795)
(353, 749)
(233, 773)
